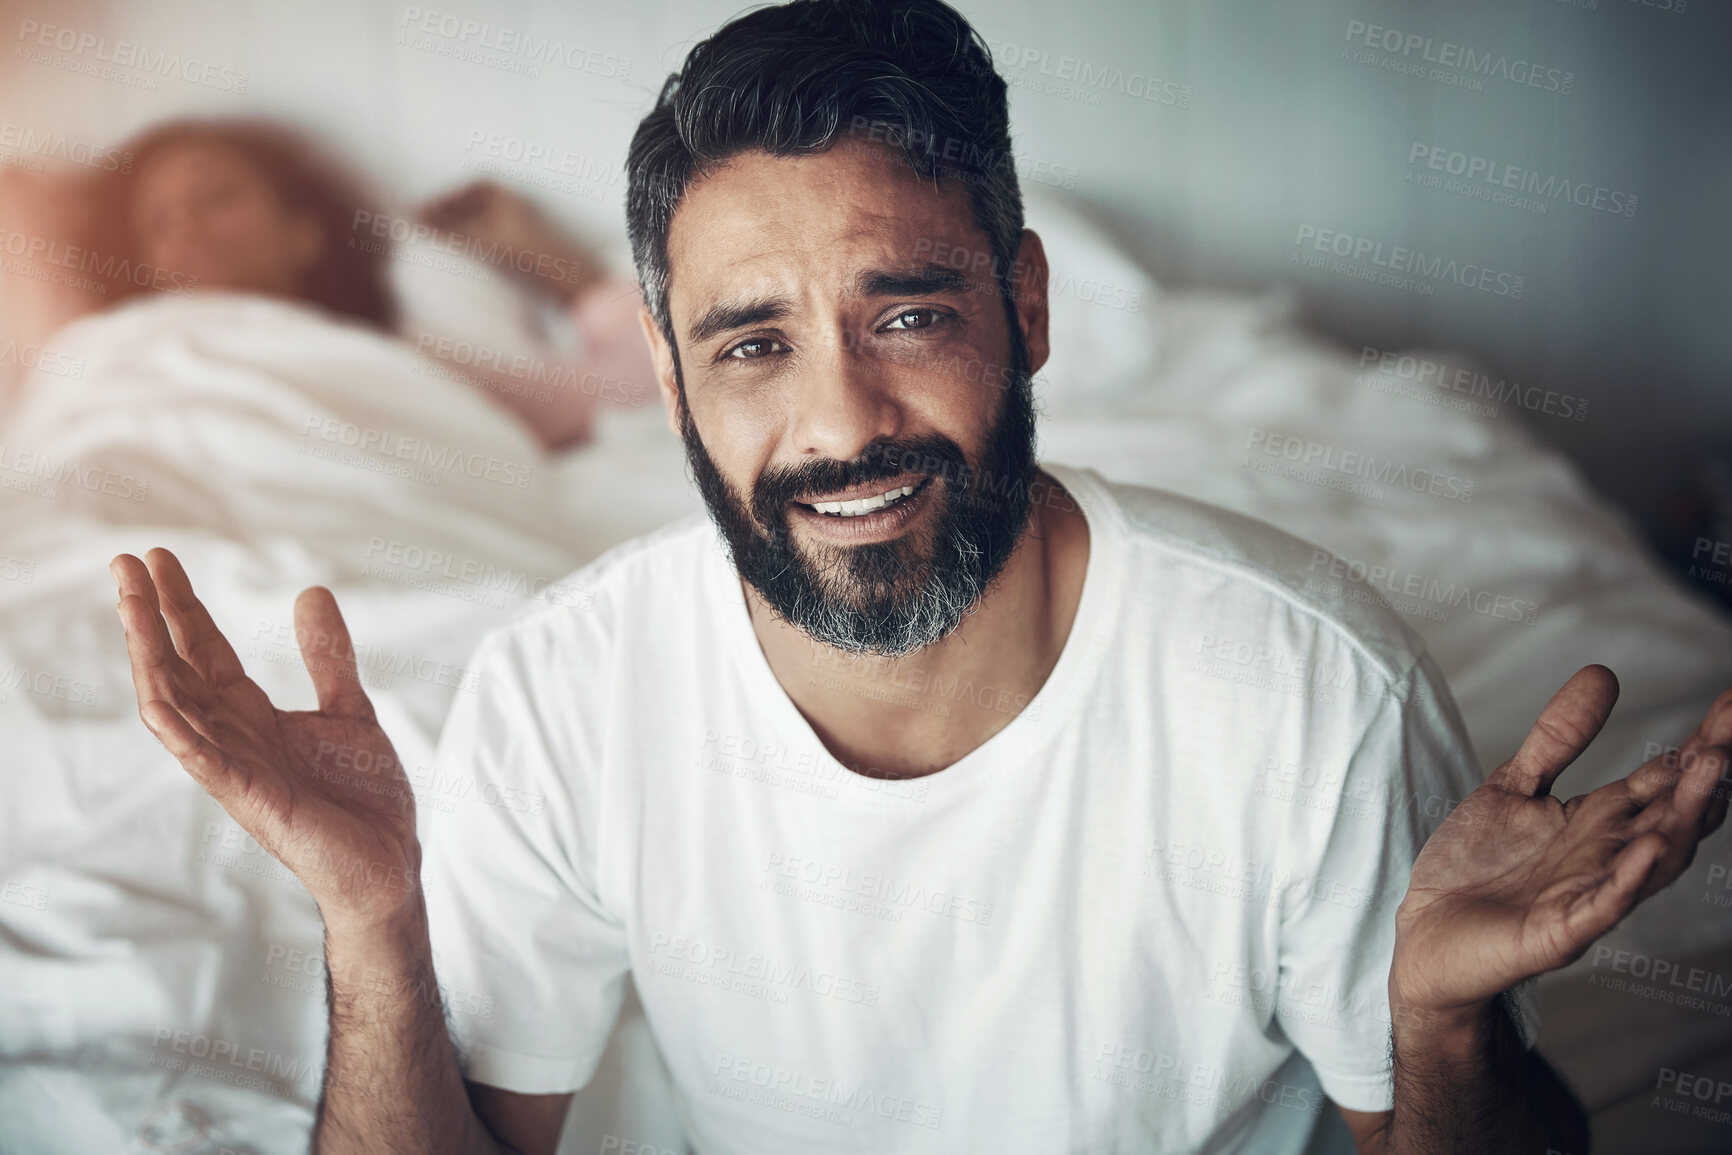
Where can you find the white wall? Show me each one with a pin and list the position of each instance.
(1269, 128)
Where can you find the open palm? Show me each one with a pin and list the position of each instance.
(322, 790)
(1516, 882)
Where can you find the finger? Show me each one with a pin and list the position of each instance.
(1652, 779)
(1680, 790)
(1719, 796)
(1656, 779)
(132, 577)
(195, 631)
(198, 756)
(1570, 721)
(1698, 800)
(137, 605)
(1602, 908)
(158, 672)
(329, 655)
(1715, 729)
(1683, 816)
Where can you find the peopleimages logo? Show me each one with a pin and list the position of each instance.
(493, 362)
(752, 972)
(1442, 377)
(1410, 52)
(1399, 265)
(553, 158)
(1484, 178)
(797, 1091)
(85, 52)
(46, 684)
(479, 42)
(80, 261)
(1211, 1085)
(1410, 592)
(542, 165)
(401, 230)
(1074, 78)
(21, 141)
(1367, 467)
(43, 475)
(42, 360)
(449, 461)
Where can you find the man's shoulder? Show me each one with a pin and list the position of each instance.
(1248, 561)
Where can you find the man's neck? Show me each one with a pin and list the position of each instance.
(913, 716)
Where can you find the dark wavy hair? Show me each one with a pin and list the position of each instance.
(349, 280)
(793, 79)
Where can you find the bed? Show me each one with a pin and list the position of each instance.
(163, 989)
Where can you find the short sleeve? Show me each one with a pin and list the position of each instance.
(1412, 765)
(530, 961)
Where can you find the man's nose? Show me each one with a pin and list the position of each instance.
(843, 402)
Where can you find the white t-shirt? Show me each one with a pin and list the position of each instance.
(1155, 912)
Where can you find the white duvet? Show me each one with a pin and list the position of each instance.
(150, 954)
(159, 976)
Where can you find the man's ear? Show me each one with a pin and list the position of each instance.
(662, 355)
(1028, 287)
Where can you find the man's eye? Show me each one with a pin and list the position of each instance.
(756, 347)
(915, 319)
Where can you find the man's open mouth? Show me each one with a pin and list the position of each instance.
(858, 506)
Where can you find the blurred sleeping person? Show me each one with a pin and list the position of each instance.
(196, 208)
(916, 788)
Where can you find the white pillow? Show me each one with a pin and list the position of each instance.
(444, 296)
(1105, 326)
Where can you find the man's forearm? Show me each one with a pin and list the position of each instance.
(1465, 1083)
(391, 1078)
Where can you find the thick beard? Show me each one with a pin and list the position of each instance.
(888, 598)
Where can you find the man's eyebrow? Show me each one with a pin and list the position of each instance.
(919, 280)
(912, 282)
(725, 316)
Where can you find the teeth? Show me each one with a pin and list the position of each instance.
(860, 505)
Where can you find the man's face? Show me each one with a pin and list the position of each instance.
(856, 402)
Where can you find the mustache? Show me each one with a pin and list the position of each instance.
(933, 455)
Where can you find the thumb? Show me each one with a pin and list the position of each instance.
(1566, 727)
(330, 655)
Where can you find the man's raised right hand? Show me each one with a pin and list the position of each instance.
(321, 790)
